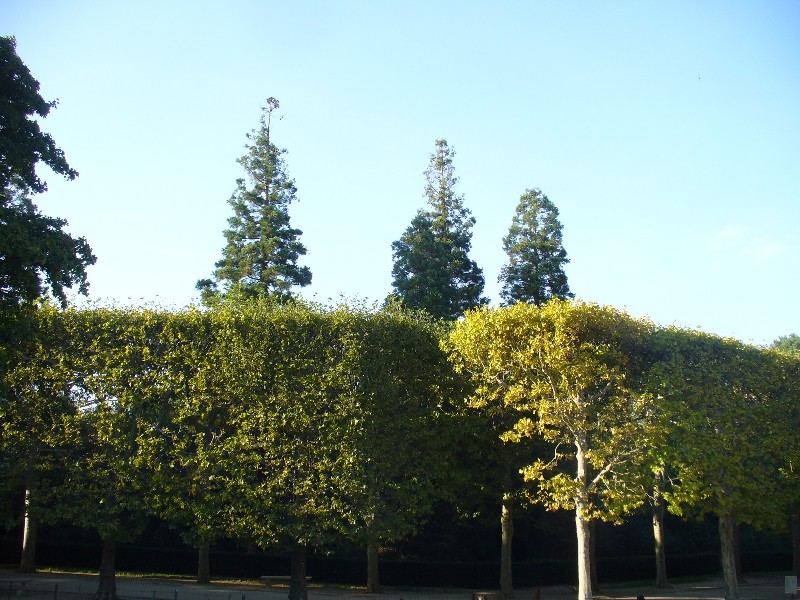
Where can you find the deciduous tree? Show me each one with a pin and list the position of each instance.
(576, 367)
(36, 418)
(787, 357)
(290, 472)
(36, 255)
(726, 437)
(117, 384)
(789, 344)
(22, 143)
(187, 447)
(502, 461)
(400, 424)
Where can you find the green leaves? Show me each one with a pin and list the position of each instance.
(728, 429)
(284, 423)
(432, 270)
(572, 367)
(536, 257)
(275, 423)
(36, 255)
(22, 143)
(262, 249)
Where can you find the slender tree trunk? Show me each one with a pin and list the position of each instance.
(658, 533)
(593, 555)
(796, 544)
(582, 524)
(373, 572)
(506, 536)
(28, 562)
(204, 563)
(584, 558)
(107, 587)
(727, 536)
(297, 588)
(737, 552)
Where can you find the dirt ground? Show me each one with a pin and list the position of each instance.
(58, 586)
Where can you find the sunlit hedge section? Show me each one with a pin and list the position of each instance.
(294, 425)
(633, 413)
(281, 425)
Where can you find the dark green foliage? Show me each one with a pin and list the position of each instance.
(36, 254)
(262, 249)
(789, 344)
(32, 246)
(22, 143)
(432, 269)
(536, 257)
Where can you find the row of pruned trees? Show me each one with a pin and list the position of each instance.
(277, 425)
(628, 416)
(297, 426)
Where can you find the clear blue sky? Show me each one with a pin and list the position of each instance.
(667, 133)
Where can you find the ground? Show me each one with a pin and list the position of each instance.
(64, 586)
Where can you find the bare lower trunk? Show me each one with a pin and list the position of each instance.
(373, 572)
(28, 562)
(727, 537)
(506, 538)
(107, 587)
(593, 555)
(658, 536)
(204, 563)
(796, 544)
(737, 552)
(582, 524)
(584, 558)
(297, 588)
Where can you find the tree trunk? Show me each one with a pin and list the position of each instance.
(796, 544)
(28, 562)
(658, 534)
(373, 572)
(297, 588)
(107, 588)
(204, 563)
(727, 537)
(582, 524)
(593, 555)
(506, 537)
(584, 558)
(737, 552)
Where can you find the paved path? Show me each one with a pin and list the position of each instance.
(55, 586)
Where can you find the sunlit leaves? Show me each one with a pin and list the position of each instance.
(575, 368)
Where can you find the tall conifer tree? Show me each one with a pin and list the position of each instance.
(432, 269)
(536, 256)
(262, 249)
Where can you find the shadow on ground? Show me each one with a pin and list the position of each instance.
(67, 586)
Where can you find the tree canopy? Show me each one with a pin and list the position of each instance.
(262, 249)
(787, 343)
(36, 254)
(22, 143)
(289, 425)
(536, 257)
(575, 367)
(432, 270)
